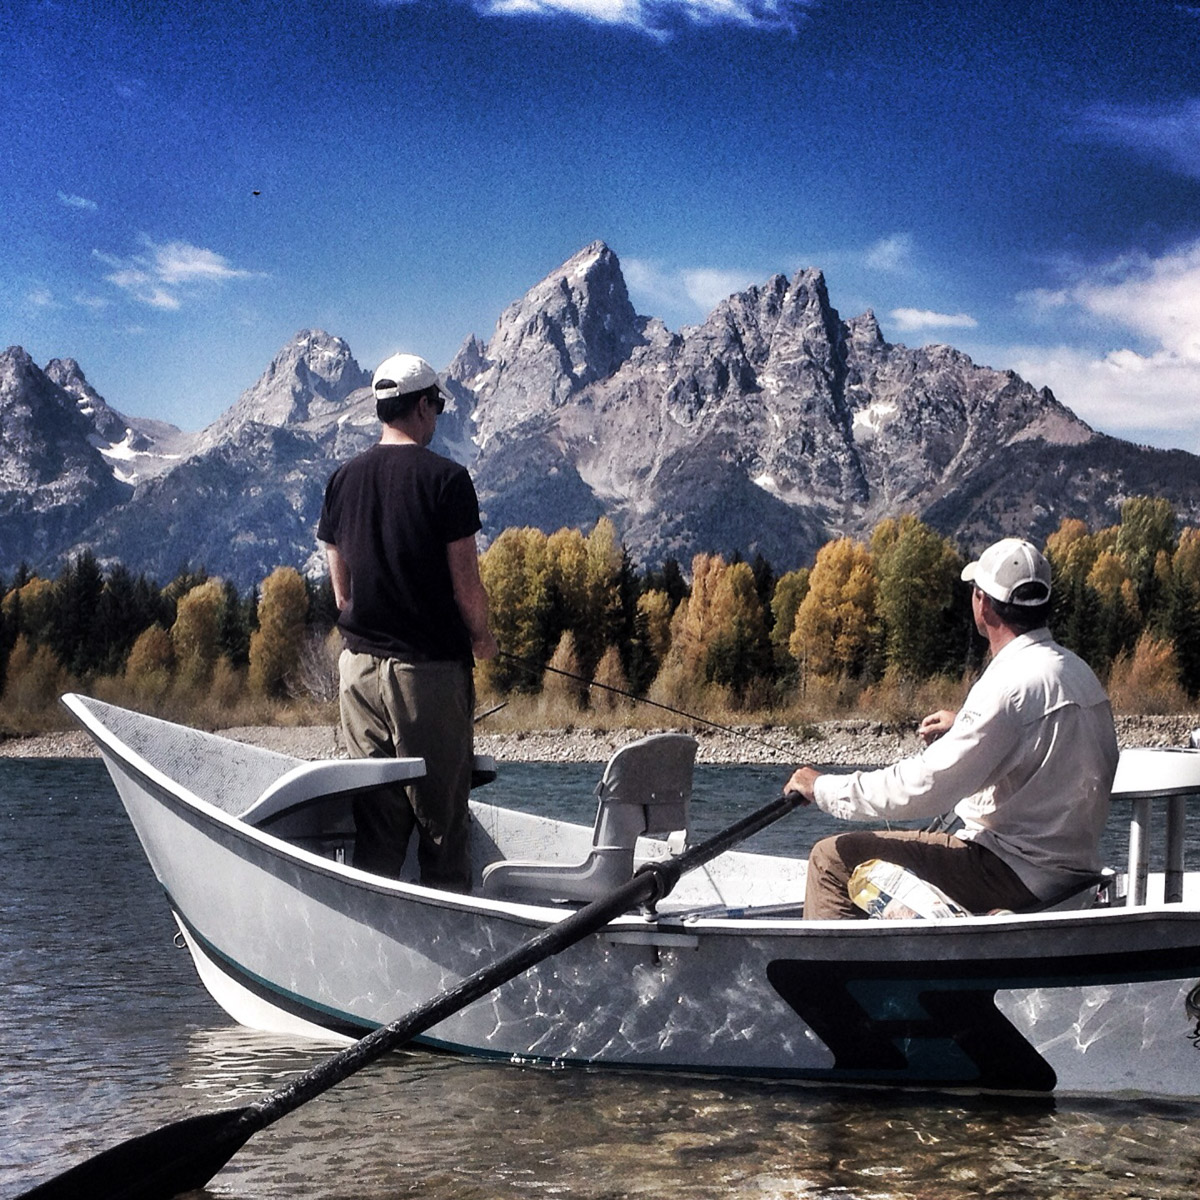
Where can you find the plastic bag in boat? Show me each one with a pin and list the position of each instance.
(886, 890)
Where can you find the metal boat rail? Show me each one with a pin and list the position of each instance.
(1143, 776)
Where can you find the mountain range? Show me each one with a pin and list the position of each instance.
(770, 428)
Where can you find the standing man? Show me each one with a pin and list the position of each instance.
(1032, 750)
(398, 525)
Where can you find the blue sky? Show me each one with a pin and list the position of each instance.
(184, 186)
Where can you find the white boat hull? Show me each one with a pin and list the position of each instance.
(290, 940)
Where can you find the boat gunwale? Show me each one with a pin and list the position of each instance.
(666, 921)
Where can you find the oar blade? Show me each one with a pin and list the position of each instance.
(174, 1158)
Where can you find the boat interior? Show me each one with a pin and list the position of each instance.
(642, 805)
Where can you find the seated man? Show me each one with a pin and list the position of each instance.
(1032, 750)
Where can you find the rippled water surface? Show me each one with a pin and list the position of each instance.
(105, 1032)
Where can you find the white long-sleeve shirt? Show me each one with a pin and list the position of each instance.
(1027, 765)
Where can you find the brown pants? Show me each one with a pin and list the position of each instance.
(978, 879)
(393, 709)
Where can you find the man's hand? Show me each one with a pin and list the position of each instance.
(802, 781)
(934, 725)
(485, 647)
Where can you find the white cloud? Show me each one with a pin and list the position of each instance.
(160, 274)
(1152, 393)
(77, 201)
(1168, 131)
(893, 254)
(707, 287)
(909, 320)
(691, 292)
(656, 17)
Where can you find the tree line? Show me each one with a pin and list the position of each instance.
(572, 610)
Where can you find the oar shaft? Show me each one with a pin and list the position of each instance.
(650, 884)
(183, 1156)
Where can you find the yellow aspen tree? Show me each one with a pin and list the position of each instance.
(654, 613)
(567, 571)
(789, 593)
(196, 633)
(275, 644)
(33, 682)
(610, 674)
(34, 604)
(515, 575)
(564, 677)
(603, 615)
(836, 620)
(1072, 552)
(1119, 618)
(737, 651)
(691, 627)
(1147, 679)
(680, 678)
(149, 667)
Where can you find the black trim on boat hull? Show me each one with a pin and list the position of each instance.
(935, 1023)
(287, 1002)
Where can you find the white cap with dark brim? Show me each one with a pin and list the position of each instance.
(1006, 567)
(404, 373)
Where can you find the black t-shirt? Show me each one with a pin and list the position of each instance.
(391, 512)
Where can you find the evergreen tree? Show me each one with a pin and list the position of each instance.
(72, 629)
(764, 585)
(669, 580)
(1147, 530)
(918, 574)
(322, 607)
(127, 607)
(234, 625)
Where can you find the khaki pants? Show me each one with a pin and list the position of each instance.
(978, 879)
(394, 709)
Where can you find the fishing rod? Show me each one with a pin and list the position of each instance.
(537, 668)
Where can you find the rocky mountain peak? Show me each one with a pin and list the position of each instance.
(769, 428)
(109, 427)
(312, 376)
(53, 481)
(35, 413)
(864, 331)
(574, 327)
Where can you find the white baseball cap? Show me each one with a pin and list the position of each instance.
(404, 373)
(1007, 566)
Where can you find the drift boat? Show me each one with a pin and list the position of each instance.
(1097, 994)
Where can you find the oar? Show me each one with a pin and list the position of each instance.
(186, 1154)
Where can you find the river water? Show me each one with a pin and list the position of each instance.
(105, 1033)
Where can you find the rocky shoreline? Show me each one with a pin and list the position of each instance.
(827, 743)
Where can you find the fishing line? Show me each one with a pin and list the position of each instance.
(535, 668)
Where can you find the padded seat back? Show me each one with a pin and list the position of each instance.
(646, 788)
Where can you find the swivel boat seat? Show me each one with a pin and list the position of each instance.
(645, 789)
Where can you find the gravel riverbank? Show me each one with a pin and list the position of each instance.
(831, 743)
